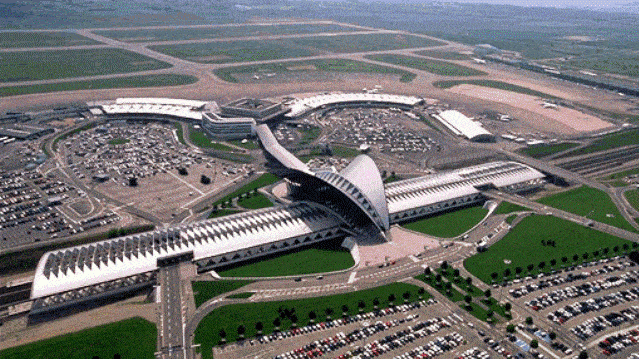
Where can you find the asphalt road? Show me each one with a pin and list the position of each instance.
(171, 330)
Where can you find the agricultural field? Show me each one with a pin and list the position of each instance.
(449, 224)
(323, 257)
(17, 39)
(588, 202)
(620, 64)
(45, 65)
(433, 66)
(130, 338)
(493, 84)
(162, 80)
(149, 35)
(608, 142)
(547, 150)
(230, 317)
(328, 65)
(526, 245)
(205, 290)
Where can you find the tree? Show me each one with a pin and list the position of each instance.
(575, 257)
(427, 271)
(553, 262)
(529, 320)
(328, 312)
(312, 316)
(240, 331)
(518, 270)
(205, 180)
(277, 322)
(552, 335)
(222, 335)
(468, 299)
(508, 307)
(361, 305)
(438, 278)
(507, 272)
(182, 171)
(585, 256)
(541, 265)
(494, 275)
(583, 354)
(444, 265)
(530, 267)
(345, 309)
(293, 318)
(375, 303)
(534, 344)
(406, 296)
(615, 248)
(626, 246)
(564, 259)
(595, 254)
(391, 298)
(469, 281)
(490, 313)
(258, 327)
(487, 293)
(456, 272)
(606, 250)
(421, 291)
(510, 328)
(133, 182)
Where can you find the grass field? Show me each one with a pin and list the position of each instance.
(622, 174)
(131, 338)
(494, 84)
(608, 142)
(445, 55)
(633, 198)
(45, 65)
(259, 50)
(146, 35)
(231, 316)
(547, 150)
(449, 224)
(203, 291)
(264, 180)
(119, 141)
(433, 66)
(523, 246)
(346, 152)
(323, 257)
(621, 64)
(255, 202)
(178, 130)
(222, 213)
(42, 39)
(120, 82)
(328, 65)
(199, 138)
(507, 207)
(588, 202)
(249, 145)
(309, 135)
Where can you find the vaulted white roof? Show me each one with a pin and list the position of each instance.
(302, 106)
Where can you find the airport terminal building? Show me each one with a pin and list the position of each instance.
(329, 204)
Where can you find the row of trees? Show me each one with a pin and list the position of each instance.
(553, 262)
(291, 315)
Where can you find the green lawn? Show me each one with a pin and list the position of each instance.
(262, 181)
(449, 224)
(608, 142)
(588, 202)
(622, 174)
(507, 207)
(364, 42)
(44, 65)
(445, 55)
(392, 178)
(198, 137)
(244, 295)
(249, 145)
(206, 290)
(180, 135)
(119, 141)
(523, 246)
(120, 82)
(322, 257)
(327, 65)
(131, 338)
(18, 39)
(633, 198)
(147, 35)
(433, 66)
(346, 152)
(494, 84)
(231, 316)
(309, 135)
(255, 202)
(547, 150)
(222, 213)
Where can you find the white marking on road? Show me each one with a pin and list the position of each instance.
(352, 279)
(412, 257)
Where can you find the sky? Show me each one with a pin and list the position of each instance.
(553, 3)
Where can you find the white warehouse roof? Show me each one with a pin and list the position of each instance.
(300, 107)
(459, 124)
(187, 109)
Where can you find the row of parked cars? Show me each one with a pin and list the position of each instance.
(435, 347)
(559, 295)
(618, 342)
(474, 353)
(591, 327)
(593, 305)
(343, 321)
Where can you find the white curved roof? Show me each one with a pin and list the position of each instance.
(423, 191)
(85, 265)
(187, 109)
(270, 144)
(301, 106)
(459, 124)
